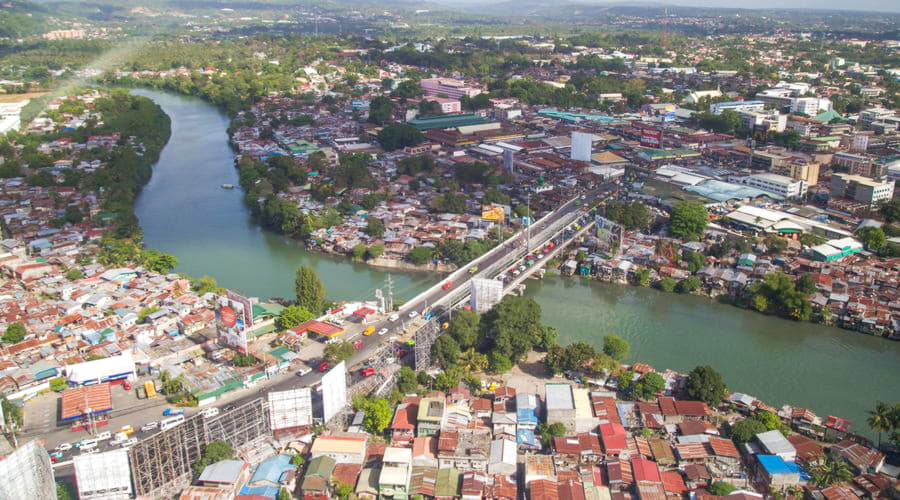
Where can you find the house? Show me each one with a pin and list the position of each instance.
(472, 487)
(504, 453)
(429, 417)
(403, 426)
(226, 475)
(367, 484)
(274, 472)
(560, 406)
(527, 407)
(861, 458)
(464, 449)
(396, 469)
(774, 443)
(777, 472)
(612, 437)
(344, 449)
(538, 467)
(318, 475)
(446, 486)
(424, 451)
(543, 489)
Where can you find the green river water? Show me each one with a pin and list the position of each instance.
(185, 211)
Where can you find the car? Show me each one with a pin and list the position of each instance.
(358, 344)
(303, 370)
(413, 314)
(55, 456)
(473, 269)
(367, 371)
(103, 436)
(149, 426)
(369, 331)
(92, 451)
(64, 447)
(129, 442)
(382, 331)
(323, 366)
(169, 412)
(447, 285)
(411, 342)
(393, 317)
(392, 339)
(210, 412)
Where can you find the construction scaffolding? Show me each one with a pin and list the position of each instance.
(26, 473)
(161, 464)
(425, 337)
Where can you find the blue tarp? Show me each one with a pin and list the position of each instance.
(773, 464)
(271, 470)
(263, 491)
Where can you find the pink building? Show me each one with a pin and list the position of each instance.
(454, 89)
(447, 105)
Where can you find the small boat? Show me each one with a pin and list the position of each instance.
(228, 186)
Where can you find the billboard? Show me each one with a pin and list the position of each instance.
(334, 391)
(581, 146)
(493, 213)
(651, 138)
(485, 294)
(103, 475)
(290, 409)
(234, 316)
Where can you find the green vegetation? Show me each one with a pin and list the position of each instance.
(292, 316)
(14, 334)
(721, 488)
(215, 451)
(548, 432)
(885, 419)
(398, 136)
(615, 347)
(633, 215)
(309, 290)
(830, 470)
(244, 360)
(338, 351)
(648, 386)
(689, 219)
(377, 414)
(777, 294)
(706, 384)
(58, 384)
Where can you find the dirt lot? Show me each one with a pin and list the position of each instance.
(6, 98)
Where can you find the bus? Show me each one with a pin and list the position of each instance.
(168, 423)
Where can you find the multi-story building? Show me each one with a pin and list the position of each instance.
(447, 105)
(861, 189)
(448, 87)
(772, 121)
(810, 106)
(800, 170)
(396, 469)
(737, 106)
(871, 115)
(854, 164)
(780, 185)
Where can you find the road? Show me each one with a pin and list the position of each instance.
(371, 344)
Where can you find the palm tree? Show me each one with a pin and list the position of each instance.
(830, 471)
(880, 419)
(472, 360)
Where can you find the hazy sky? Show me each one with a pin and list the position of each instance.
(876, 5)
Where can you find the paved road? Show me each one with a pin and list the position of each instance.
(371, 344)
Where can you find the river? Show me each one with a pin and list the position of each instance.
(185, 211)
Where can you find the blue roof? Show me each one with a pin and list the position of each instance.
(271, 469)
(773, 464)
(525, 436)
(526, 415)
(263, 491)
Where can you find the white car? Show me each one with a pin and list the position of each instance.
(103, 436)
(129, 442)
(382, 331)
(90, 451)
(393, 317)
(64, 447)
(210, 412)
(151, 426)
(413, 314)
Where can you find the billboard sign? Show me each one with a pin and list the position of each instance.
(234, 316)
(334, 391)
(651, 138)
(290, 409)
(493, 213)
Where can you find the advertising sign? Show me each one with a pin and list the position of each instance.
(493, 213)
(234, 317)
(334, 391)
(651, 138)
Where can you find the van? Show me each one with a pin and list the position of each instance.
(103, 436)
(210, 412)
(120, 437)
(87, 444)
(168, 423)
(393, 317)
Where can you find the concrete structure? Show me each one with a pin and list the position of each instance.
(486, 293)
(393, 482)
(503, 457)
(344, 449)
(736, 106)
(772, 121)
(861, 189)
(833, 250)
(561, 405)
(775, 443)
(855, 164)
(581, 146)
(431, 413)
(810, 106)
(780, 185)
(102, 370)
(454, 89)
(777, 472)
(447, 105)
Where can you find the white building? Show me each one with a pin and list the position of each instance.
(773, 121)
(810, 106)
(581, 146)
(781, 185)
(736, 106)
(105, 476)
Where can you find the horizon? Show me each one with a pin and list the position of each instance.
(867, 6)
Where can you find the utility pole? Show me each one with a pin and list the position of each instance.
(528, 227)
(390, 293)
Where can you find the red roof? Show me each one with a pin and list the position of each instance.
(569, 490)
(543, 489)
(75, 402)
(692, 408)
(645, 470)
(673, 482)
(723, 447)
(405, 417)
(613, 437)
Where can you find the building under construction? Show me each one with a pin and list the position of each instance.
(161, 464)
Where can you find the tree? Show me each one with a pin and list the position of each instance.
(421, 255)
(374, 228)
(215, 451)
(464, 328)
(338, 351)
(406, 380)
(310, 290)
(553, 361)
(377, 415)
(688, 285)
(445, 351)
(399, 135)
(448, 379)
(65, 490)
(891, 211)
(694, 261)
(511, 328)
(872, 237)
(159, 262)
(74, 274)
(642, 276)
(284, 494)
(806, 284)
(381, 110)
(342, 490)
(721, 488)
(830, 471)
(58, 384)
(649, 385)
(471, 360)
(745, 430)
(499, 363)
(615, 346)
(689, 219)
(14, 334)
(292, 316)
(880, 419)
(667, 284)
(706, 384)
(548, 432)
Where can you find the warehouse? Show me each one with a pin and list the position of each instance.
(561, 406)
(102, 370)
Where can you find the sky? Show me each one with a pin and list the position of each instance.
(867, 5)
